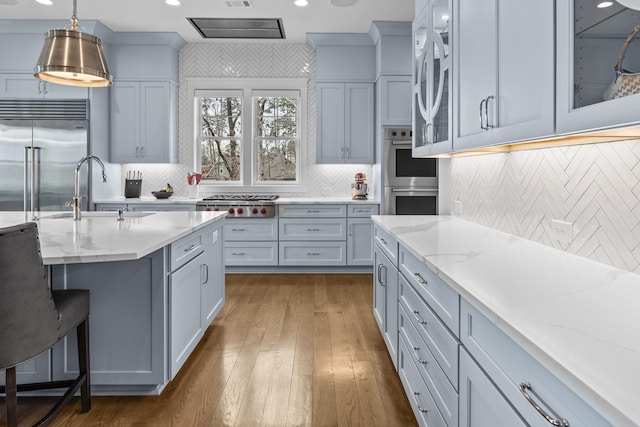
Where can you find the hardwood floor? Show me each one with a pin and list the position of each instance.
(286, 350)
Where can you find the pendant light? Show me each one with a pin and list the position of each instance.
(73, 58)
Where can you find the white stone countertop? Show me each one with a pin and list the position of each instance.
(579, 318)
(281, 200)
(100, 237)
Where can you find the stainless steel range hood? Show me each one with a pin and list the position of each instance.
(239, 28)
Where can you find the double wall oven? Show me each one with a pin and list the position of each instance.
(410, 184)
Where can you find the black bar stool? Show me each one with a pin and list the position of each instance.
(33, 319)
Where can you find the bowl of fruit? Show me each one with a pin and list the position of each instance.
(163, 194)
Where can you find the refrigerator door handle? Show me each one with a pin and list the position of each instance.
(35, 182)
(27, 169)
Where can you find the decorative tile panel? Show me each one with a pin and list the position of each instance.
(224, 60)
(596, 187)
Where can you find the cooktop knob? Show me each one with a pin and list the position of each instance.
(263, 211)
(394, 133)
(254, 211)
(215, 209)
(240, 210)
(207, 209)
(404, 133)
(232, 211)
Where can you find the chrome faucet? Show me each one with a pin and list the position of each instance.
(77, 198)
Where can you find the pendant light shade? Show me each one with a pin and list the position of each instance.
(73, 58)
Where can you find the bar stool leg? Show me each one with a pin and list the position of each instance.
(11, 397)
(82, 332)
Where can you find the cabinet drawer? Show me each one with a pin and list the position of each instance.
(251, 230)
(355, 211)
(442, 392)
(313, 253)
(311, 211)
(253, 253)
(424, 408)
(316, 229)
(387, 243)
(440, 341)
(443, 300)
(509, 365)
(185, 249)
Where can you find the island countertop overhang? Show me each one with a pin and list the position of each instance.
(102, 238)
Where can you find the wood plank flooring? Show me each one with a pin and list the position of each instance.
(286, 350)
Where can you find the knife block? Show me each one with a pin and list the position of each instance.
(132, 188)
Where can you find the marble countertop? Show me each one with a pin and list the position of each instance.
(578, 318)
(281, 200)
(100, 237)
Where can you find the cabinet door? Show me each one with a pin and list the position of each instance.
(396, 100)
(385, 304)
(125, 122)
(359, 241)
(25, 85)
(476, 66)
(184, 312)
(358, 123)
(481, 403)
(330, 123)
(212, 278)
(419, 114)
(379, 290)
(157, 129)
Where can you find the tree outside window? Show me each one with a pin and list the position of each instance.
(221, 138)
(276, 138)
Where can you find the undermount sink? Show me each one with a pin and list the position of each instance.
(97, 214)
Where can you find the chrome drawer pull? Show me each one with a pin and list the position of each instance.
(237, 253)
(190, 248)
(238, 229)
(553, 421)
(421, 409)
(313, 253)
(313, 211)
(417, 349)
(418, 318)
(420, 279)
(384, 242)
(313, 229)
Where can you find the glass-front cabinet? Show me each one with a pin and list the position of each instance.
(591, 95)
(431, 105)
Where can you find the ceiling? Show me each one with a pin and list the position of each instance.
(319, 16)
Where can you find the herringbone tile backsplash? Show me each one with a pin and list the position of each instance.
(244, 60)
(596, 187)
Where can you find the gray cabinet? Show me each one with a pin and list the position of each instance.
(144, 119)
(395, 100)
(213, 292)
(25, 85)
(481, 403)
(385, 300)
(498, 98)
(251, 242)
(359, 233)
(344, 123)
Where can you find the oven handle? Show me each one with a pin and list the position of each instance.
(400, 142)
(414, 190)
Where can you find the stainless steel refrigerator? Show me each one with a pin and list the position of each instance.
(41, 141)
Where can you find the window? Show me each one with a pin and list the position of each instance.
(250, 136)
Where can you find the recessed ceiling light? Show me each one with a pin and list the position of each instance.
(343, 3)
(45, 2)
(173, 2)
(604, 4)
(301, 3)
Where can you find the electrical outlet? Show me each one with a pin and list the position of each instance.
(457, 207)
(562, 230)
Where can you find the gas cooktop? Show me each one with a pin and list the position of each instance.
(242, 197)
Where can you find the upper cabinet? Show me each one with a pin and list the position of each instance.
(504, 76)
(144, 118)
(345, 75)
(432, 79)
(144, 97)
(25, 85)
(589, 41)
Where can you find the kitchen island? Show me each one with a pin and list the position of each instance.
(529, 315)
(156, 281)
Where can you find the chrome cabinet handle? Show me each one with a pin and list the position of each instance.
(417, 349)
(237, 253)
(313, 253)
(190, 248)
(421, 409)
(204, 271)
(238, 229)
(348, 152)
(481, 121)
(384, 242)
(420, 320)
(313, 229)
(142, 151)
(553, 421)
(137, 151)
(351, 231)
(313, 211)
(420, 279)
(384, 267)
(378, 275)
(342, 152)
(486, 112)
